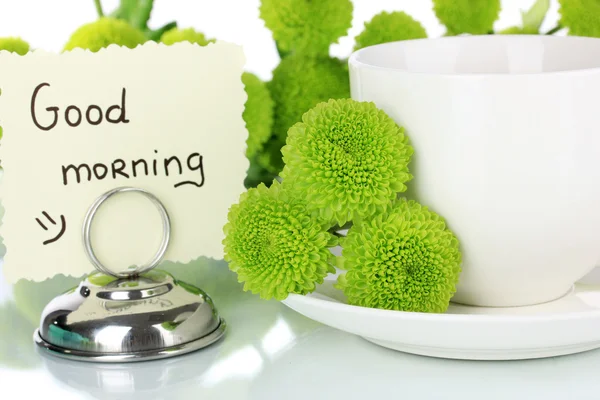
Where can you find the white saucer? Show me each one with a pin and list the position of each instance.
(568, 325)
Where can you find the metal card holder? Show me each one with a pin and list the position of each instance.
(134, 315)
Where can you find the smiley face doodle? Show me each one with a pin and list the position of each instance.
(62, 229)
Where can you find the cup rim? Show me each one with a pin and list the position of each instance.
(355, 58)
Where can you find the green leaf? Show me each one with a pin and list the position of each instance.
(156, 34)
(135, 12)
(125, 10)
(533, 18)
(141, 15)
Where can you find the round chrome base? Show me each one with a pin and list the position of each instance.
(78, 355)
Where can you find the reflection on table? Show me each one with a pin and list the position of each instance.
(269, 352)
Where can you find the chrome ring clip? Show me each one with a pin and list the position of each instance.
(87, 236)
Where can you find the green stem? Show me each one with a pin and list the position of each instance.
(99, 8)
(554, 30)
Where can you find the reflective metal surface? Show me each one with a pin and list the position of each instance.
(105, 319)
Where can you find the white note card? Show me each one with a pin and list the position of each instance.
(167, 119)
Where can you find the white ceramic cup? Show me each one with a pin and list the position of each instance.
(506, 131)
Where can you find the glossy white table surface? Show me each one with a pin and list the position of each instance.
(269, 352)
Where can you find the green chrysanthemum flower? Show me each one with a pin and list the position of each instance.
(467, 16)
(307, 27)
(389, 27)
(14, 45)
(403, 259)
(274, 246)
(258, 113)
(104, 32)
(346, 159)
(300, 83)
(185, 35)
(582, 17)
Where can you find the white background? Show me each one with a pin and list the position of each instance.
(47, 24)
